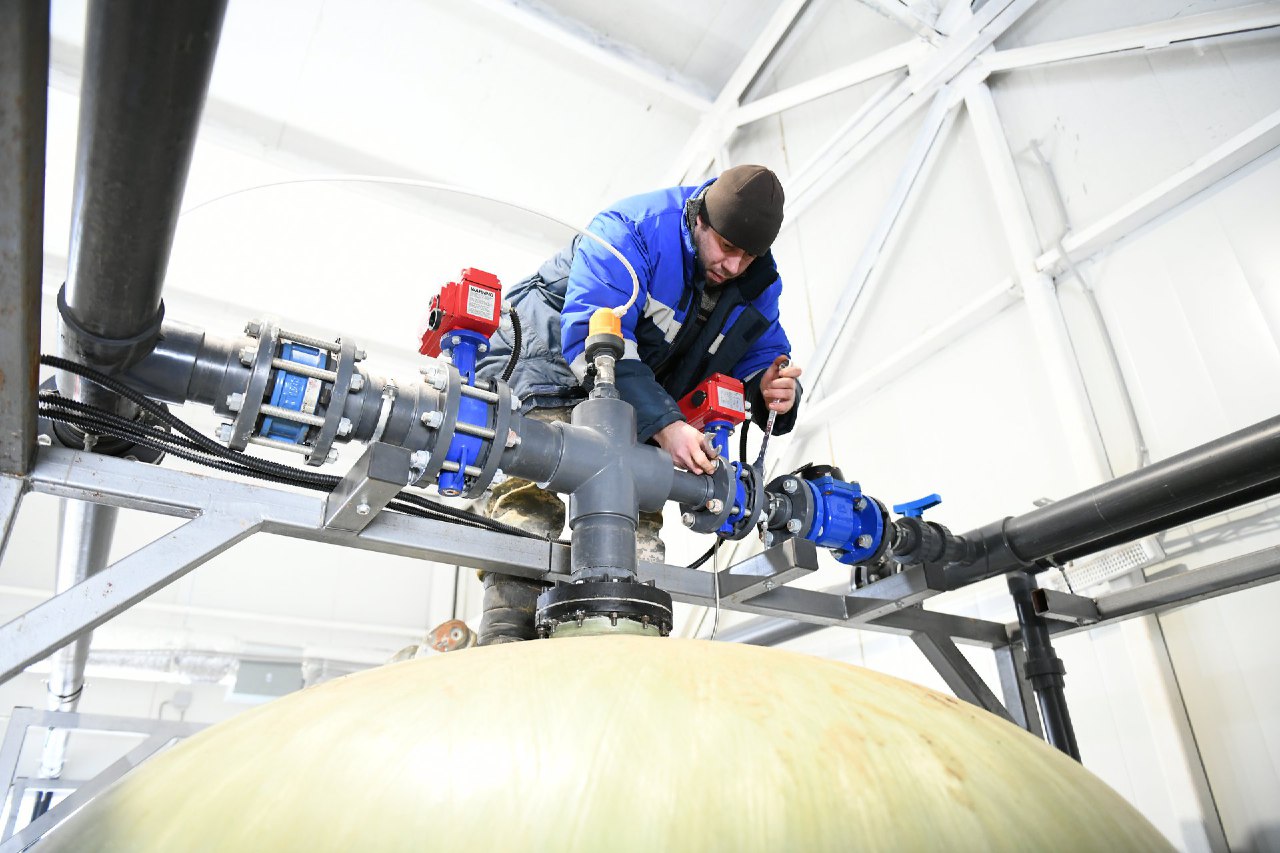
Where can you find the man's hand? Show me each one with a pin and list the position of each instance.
(778, 385)
(689, 448)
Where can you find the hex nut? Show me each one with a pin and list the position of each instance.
(357, 382)
(362, 509)
(246, 356)
(253, 328)
(793, 526)
(432, 420)
(715, 505)
(789, 486)
(864, 541)
(235, 401)
(687, 519)
(344, 426)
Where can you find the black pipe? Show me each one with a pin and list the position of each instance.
(1226, 473)
(1204, 510)
(1226, 466)
(1044, 669)
(146, 71)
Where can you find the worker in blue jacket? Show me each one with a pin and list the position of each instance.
(707, 303)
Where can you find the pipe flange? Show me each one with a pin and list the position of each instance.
(66, 435)
(711, 516)
(255, 391)
(501, 424)
(337, 404)
(753, 488)
(799, 498)
(443, 433)
(618, 601)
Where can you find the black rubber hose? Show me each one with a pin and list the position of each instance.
(697, 564)
(268, 470)
(516, 339)
(102, 424)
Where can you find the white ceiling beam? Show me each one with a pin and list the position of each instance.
(923, 345)
(1081, 434)
(857, 293)
(1144, 37)
(886, 61)
(576, 37)
(907, 17)
(950, 64)
(712, 132)
(1242, 149)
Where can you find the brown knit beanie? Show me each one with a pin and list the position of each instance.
(745, 206)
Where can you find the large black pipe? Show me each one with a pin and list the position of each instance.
(1223, 474)
(1204, 510)
(1228, 466)
(146, 73)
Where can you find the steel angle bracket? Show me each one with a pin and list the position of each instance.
(380, 473)
(765, 572)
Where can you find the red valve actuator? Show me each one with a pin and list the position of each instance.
(473, 303)
(718, 398)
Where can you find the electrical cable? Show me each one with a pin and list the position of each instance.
(194, 446)
(715, 586)
(516, 342)
(433, 185)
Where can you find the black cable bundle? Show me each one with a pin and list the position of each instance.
(175, 436)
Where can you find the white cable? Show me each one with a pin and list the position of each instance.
(432, 185)
(715, 586)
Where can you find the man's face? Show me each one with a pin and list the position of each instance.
(720, 259)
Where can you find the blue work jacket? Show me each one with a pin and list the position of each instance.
(668, 352)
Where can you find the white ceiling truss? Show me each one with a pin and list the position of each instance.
(954, 70)
(956, 67)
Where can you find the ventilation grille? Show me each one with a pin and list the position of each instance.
(1089, 572)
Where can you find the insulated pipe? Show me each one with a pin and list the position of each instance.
(146, 72)
(79, 556)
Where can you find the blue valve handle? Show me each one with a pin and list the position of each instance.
(916, 508)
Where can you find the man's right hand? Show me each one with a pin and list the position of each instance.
(688, 447)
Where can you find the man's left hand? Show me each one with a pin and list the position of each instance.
(778, 385)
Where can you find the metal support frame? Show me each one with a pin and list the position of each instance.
(959, 674)
(224, 512)
(858, 291)
(898, 57)
(381, 472)
(11, 490)
(1151, 36)
(159, 734)
(952, 65)
(24, 83)
(712, 131)
(1207, 171)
